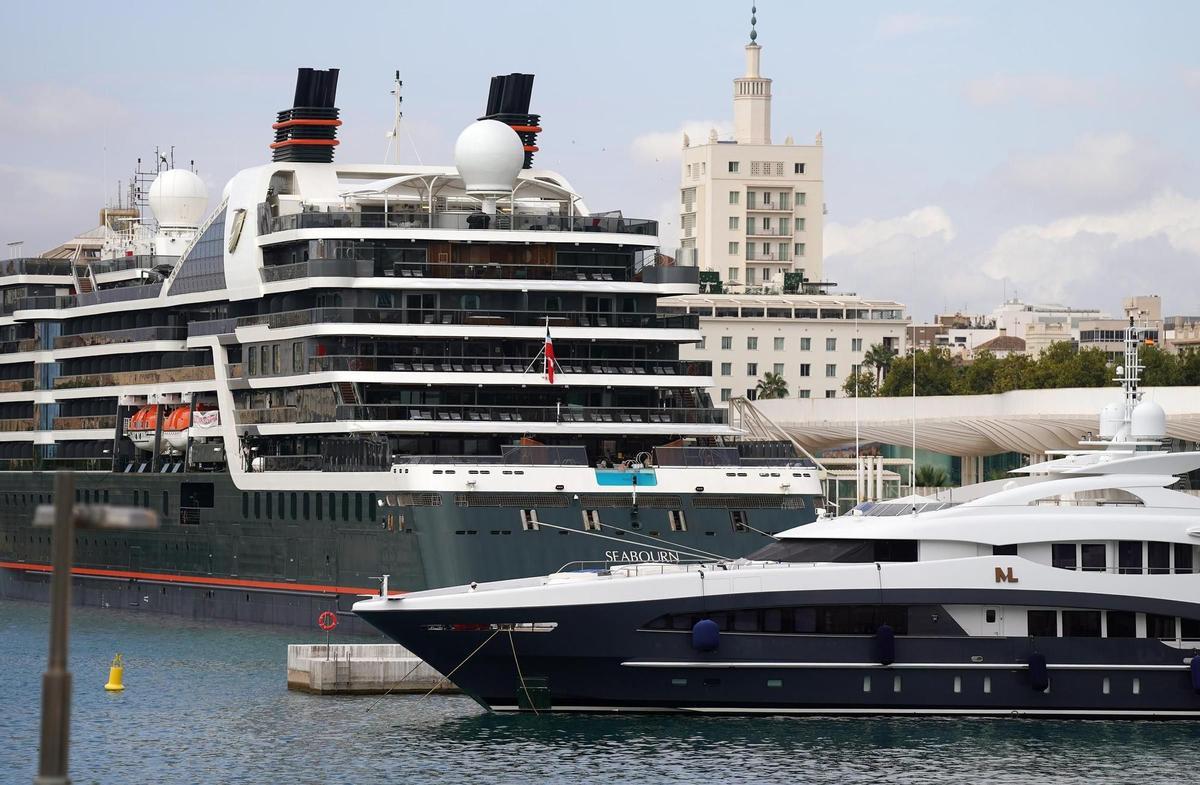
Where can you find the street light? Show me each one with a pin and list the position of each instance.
(64, 516)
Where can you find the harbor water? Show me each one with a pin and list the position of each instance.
(207, 702)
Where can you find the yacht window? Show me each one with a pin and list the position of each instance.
(1160, 626)
(1122, 624)
(1189, 629)
(1004, 550)
(1158, 554)
(1183, 558)
(745, 621)
(1081, 624)
(1129, 557)
(845, 551)
(1062, 555)
(1092, 557)
(1043, 624)
(990, 615)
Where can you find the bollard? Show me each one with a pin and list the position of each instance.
(116, 675)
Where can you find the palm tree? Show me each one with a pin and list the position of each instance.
(932, 477)
(772, 385)
(879, 357)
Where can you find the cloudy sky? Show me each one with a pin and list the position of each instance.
(1043, 149)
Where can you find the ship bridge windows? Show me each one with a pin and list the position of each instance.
(1133, 557)
(839, 551)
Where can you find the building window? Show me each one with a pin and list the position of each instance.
(677, 521)
(733, 273)
(726, 341)
(733, 248)
(733, 167)
(779, 344)
(797, 168)
(529, 520)
(800, 222)
(752, 343)
(856, 344)
(591, 520)
(704, 167)
(726, 369)
(778, 369)
(805, 344)
(752, 369)
(801, 198)
(726, 393)
(831, 344)
(805, 369)
(689, 170)
(831, 393)
(702, 342)
(830, 371)
(804, 394)
(799, 249)
(734, 221)
(735, 197)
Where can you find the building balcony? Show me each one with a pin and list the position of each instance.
(568, 366)
(457, 220)
(483, 415)
(159, 333)
(456, 317)
(759, 256)
(768, 207)
(159, 376)
(760, 232)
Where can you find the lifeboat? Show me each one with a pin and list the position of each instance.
(141, 427)
(175, 427)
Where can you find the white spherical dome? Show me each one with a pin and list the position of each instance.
(489, 156)
(178, 198)
(1112, 417)
(1149, 421)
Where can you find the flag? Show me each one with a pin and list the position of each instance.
(549, 356)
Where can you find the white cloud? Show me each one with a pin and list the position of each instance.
(1100, 252)
(869, 234)
(667, 146)
(902, 25)
(1096, 167)
(1043, 89)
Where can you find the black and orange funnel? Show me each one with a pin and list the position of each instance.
(308, 131)
(508, 102)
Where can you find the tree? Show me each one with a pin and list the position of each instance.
(772, 385)
(979, 376)
(879, 357)
(932, 477)
(1160, 369)
(935, 374)
(866, 384)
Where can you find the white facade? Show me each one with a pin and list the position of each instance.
(751, 210)
(1015, 317)
(813, 341)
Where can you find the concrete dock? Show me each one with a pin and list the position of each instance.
(360, 669)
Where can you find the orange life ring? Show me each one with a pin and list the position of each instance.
(327, 621)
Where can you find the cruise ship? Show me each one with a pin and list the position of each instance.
(337, 372)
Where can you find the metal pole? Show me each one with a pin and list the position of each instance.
(56, 683)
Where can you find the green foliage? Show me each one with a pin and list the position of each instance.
(772, 385)
(880, 358)
(866, 384)
(932, 476)
(935, 374)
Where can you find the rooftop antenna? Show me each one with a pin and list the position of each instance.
(397, 114)
(912, 477)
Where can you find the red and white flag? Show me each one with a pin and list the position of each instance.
(548, 357)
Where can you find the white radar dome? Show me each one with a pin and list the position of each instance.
(1112, 417)
(489, 156)
(1149, 421)
(178, 198)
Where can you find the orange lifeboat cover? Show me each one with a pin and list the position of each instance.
(144, 418)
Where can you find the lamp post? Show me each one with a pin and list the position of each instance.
(65, 516)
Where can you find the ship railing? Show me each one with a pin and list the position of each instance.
(35, 266)
(186, 373)
(121, 263)
(476, 270)
(566, 365)
(105, 337)
(212, 327)
(616, 416)
(457, 221)
(19, 345)
(472, 317)
(515, 455)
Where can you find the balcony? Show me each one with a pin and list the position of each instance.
(160, 376)
(568, 366)
(15, 425)
(354, 219)
(761, 232)
(759, 256)
(15, 385)
(159, 333)
(455, 317)
(365, 268)
(21, 345)
(481, 415)
(35, 266)
(85, 423)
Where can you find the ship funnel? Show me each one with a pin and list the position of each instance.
(508, 102)
(308, 131)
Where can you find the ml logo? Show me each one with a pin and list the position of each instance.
(1005, 575)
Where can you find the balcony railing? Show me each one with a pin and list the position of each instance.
(156, 333)
(13, 425)
(22, 345)
(159, 376)
(759, 256)
(365, 268)
(491, 414)
(773, 232)
(454, 317)
(15, 385)
(568, 366)
(84, 423)
(35, 266)
(354, 219)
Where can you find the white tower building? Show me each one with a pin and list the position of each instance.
(751, 210)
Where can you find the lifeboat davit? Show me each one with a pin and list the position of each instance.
(175, 427)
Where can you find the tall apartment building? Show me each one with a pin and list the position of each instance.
(752, 210)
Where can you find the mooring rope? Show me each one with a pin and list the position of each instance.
(446, 678)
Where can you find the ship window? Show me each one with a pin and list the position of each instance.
(677, 521)
(281, 508)
(257, 505)
(745, 621)
(1004, 550)
(1189, 629)
(252, 365)
(245, 505)
(305, 506)
(345, 506)
(1122, 624)
(844, 551)
(1081, 624)
(298, 357)
(1158, 554)
(738, 519)
(270, 505)
(1160, 626)
(372, 506)
(320, 505)
(529, 521)
(166, 503)
(989, 616)
(292, 505)
(1062, 555)
(1092, 557)
(1129, 557)
(332, 506)
(1043, 624)
(591, 520)
(146, 499)
(358, 511)
(1183, 558)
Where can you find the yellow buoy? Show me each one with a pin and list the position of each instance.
(116, 675)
